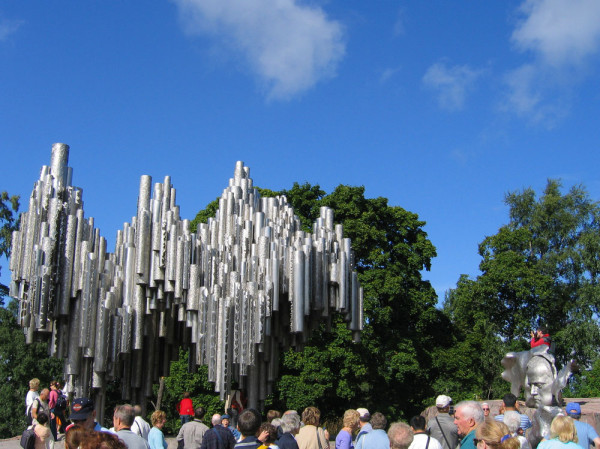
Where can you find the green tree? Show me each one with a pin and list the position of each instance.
(391, 369)
(9, 205)
(540, 268)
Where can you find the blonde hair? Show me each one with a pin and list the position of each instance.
(157, 417)
(351, 418)
(34, 383)
(311, 416)
(493, 432)
(563, 428)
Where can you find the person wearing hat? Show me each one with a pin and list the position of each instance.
(363, 422)
(442, 427)
(84, 414)
(585, 433)
(225, 423)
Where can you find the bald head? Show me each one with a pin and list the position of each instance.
(216, 420)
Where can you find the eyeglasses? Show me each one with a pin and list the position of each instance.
(486, 409)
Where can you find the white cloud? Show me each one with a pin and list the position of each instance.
(452, 83)
(399, 27)
(289, 46)
(559, 31)
(560, 36)
(8, 27)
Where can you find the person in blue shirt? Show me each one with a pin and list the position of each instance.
(586, 434)
(156, 438)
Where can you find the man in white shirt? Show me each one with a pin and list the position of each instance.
(139, 426)
(421, 439)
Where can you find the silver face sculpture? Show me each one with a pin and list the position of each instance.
(536, 373)
(247, 285)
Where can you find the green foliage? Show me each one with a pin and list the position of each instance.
(18, 364)
(585, 384)
(204, 214)
(539, 269)
(9, 205)
(202, 392)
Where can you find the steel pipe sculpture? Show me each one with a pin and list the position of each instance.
(247, 285)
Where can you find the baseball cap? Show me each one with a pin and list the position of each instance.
(225, 416)
(364, 413)
(81, 408)
(443, 401)
(573, 408)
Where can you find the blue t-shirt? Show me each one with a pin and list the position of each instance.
(555, 443)
(585, 433)
(156, 439)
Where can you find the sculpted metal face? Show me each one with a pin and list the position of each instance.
(538, 383)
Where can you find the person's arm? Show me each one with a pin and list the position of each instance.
(34, 409)
(596, 442)
(180, 434)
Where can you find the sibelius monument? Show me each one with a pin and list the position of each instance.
(247, 285)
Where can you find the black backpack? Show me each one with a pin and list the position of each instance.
(61, 402)
(28, 438)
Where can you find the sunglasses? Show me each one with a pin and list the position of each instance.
(476, 441)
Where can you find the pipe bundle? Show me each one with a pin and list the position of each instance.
(247, 285)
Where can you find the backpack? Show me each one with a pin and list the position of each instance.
(28, 438)
(61, 401)
(29, 417)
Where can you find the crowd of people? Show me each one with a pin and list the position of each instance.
(468, 425)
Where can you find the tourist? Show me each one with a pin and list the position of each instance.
(74, 436)
(140, 426)
(442, 427)
(400, 435)
(350, 423)
(376, 438)
(32, 394)
(365, 426)
(269, 435)
(486, 409)
(563, 434)
(185, 408)
(467, 417)
(421, 439)
(225, 422)
(218, 437)
(311, 436)
(290, 425)
(272, 414)
(83, 414)
(248, 424)
(40, 404)
(192, 432)
(494, 435)
(509, 403)
(43, 434)
(101, 440)
(540, 337)
(586, 434)
(156, 438)
(513, 422)
(123, 419)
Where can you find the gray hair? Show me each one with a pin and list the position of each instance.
(512, 421)
(290, 423)
(216, 419)
(400, 435)
(471, 409)
(125, 414)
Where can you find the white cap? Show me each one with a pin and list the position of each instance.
(443, 401)
(364, 414)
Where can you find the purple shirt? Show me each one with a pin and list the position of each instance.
(343, 440)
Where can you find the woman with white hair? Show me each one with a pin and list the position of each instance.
(513, 422)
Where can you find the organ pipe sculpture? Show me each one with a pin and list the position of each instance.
(247, 285)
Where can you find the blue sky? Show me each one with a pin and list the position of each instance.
(442, 107)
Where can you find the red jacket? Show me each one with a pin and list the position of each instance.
(186, 407)
(544, 340)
